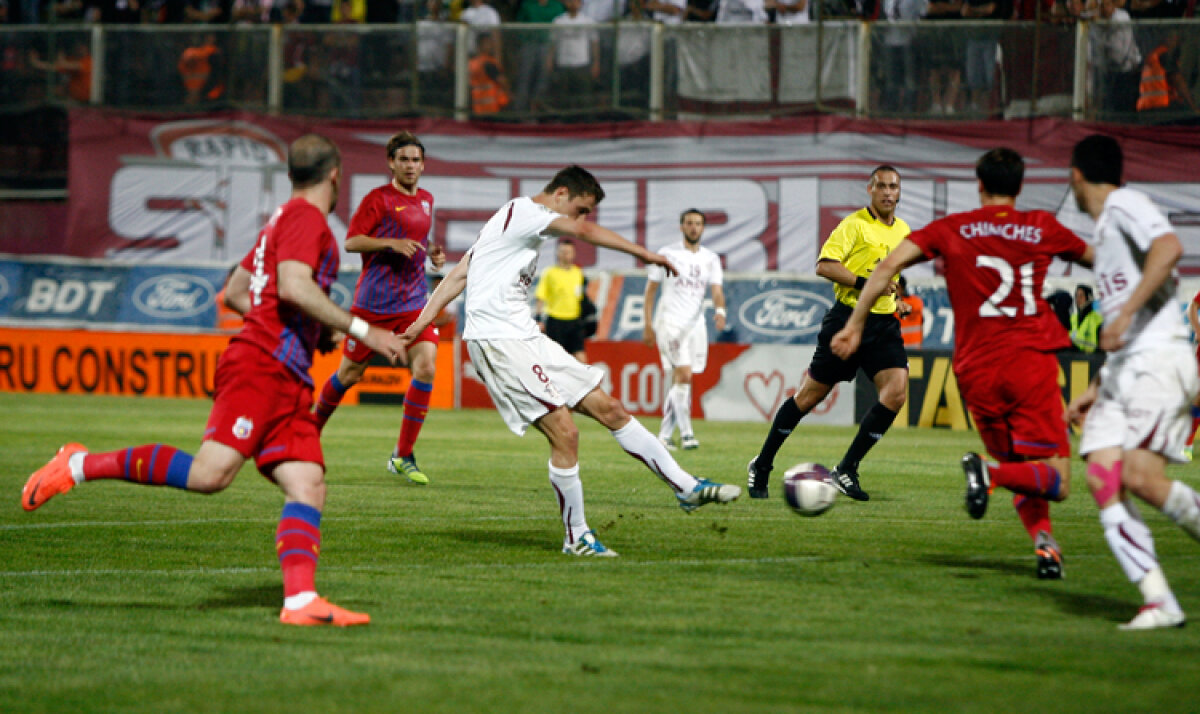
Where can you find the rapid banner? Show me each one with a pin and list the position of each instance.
(166, 189)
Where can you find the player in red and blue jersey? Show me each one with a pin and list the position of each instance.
(391, 231)
(263, 397)
(996, 258)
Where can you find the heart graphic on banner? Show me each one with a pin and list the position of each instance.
(765, 391)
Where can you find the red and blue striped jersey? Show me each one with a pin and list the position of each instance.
(391, 283)
(996, 259)
(298, 231)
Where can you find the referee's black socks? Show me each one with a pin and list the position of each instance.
(786, 419)
(874, 425)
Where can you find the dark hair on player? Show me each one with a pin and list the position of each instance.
(1001, 171)
(1099, 159)
(403, 139)
(883, 167)
(578, 181)
(697, 211)
(310, 158)
(566, 241)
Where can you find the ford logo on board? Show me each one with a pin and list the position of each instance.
(784, 312)
(3, 287)
(173, 295)
(340, 294)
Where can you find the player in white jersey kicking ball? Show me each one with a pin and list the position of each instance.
(679, 328)
(533, 380)
(1135, 414)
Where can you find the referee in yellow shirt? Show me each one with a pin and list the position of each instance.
(559, 296)
(853, 250)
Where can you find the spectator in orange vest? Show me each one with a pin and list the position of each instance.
(489, 86)
(1163, 85)
(77, 66)
(202, 68)
(912, 323)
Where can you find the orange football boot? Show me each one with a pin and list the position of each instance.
(322, 612)
(50, 480)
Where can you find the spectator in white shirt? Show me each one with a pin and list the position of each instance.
(575, 62)
(482, 18)
(668, 12)
(742, 12)
(1119, 65)
(790, 13)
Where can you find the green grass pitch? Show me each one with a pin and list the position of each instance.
(116, 598)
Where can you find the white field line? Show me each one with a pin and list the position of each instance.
(553, 563)
(783, 515)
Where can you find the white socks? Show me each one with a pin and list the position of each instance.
(1132, 543)
(569, 490)
(639, 443)
(668, 421)
(1183, 507)
(75, 462)
(681, 397)
(299, 600)
(677, 411)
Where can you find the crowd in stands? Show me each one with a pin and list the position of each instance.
(916, 69)
(479, 12)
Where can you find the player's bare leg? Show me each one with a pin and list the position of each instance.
(563, 436)
(892, 386)
(639, 443)
(212, 469)
(681, 398)
(298, 543)
(1112, 475)
(349, 373)
(423, 357)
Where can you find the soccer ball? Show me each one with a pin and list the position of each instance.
(808, 489)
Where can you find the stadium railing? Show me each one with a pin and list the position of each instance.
(644, 70)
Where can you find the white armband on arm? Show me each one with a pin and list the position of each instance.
(358, 328)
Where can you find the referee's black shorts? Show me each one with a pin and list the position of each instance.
(568, 333)
(882, 347)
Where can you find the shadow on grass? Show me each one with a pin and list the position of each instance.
(1006, 565)
(1088, 605)
(85, 604)
(242, 597)
(231, 598)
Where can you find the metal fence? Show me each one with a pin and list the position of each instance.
(637, 70)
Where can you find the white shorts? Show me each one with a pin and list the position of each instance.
(1144, 402)
(527, 379)
(683, 347)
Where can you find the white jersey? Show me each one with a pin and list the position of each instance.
(503, 263)
(1127, 226)
(682, 302)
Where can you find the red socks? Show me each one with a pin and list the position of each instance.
(151, 464)
(1032, 478)
(328, 401)
(1034, 513)
(416, 405)
(298, 543)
